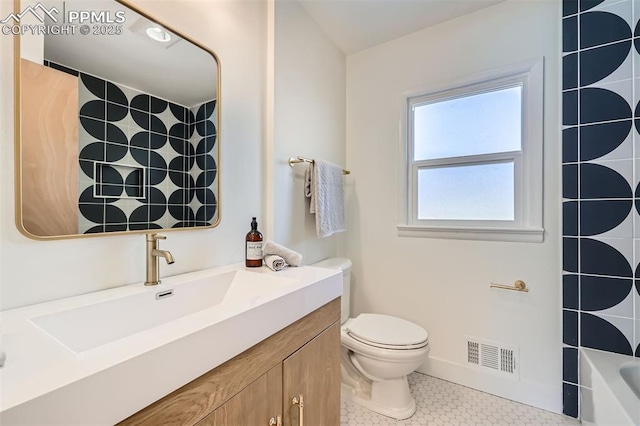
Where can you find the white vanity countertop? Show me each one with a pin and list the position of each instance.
(45, 382)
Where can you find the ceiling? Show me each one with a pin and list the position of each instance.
(355, 25)
(186, 74)
(182, 73)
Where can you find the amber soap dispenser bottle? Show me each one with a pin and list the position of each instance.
(253, 248)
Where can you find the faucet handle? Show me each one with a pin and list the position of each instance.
(155, 237)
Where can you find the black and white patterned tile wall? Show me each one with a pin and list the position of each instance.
(601, 174)
(145, 163)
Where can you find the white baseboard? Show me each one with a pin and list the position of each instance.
(546, 397)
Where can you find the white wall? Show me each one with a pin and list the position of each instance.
(309, 120)
(35, 271)
(443, 285)
(31, 45)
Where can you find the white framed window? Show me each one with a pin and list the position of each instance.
(472, 157)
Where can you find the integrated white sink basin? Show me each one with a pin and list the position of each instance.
(630, 372)
(100, 357)
(88, 327)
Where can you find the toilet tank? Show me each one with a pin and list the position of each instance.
(344, 265)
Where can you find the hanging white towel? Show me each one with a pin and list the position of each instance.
(324, 186)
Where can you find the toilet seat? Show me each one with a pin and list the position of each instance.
(390, 347)
(387, 332)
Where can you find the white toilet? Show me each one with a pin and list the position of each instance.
(378, 352)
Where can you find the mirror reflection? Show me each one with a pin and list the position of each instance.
(118, 125)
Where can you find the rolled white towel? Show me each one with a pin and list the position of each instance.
(274, 262)
(291, 257)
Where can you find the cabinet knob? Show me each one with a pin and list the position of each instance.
(299, 401)
(275, 421)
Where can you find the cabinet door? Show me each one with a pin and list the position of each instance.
(314, 372)
(254, 405)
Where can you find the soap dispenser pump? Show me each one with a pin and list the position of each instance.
(253, 248)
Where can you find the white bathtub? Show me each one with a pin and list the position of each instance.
(610, 388)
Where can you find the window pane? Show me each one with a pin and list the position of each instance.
(476, 192)
(471, 125)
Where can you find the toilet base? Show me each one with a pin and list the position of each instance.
(390, 398)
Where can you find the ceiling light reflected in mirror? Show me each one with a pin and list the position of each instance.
(158, 34)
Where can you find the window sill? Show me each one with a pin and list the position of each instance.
(525, 235)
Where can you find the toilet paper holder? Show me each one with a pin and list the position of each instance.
(519, 285)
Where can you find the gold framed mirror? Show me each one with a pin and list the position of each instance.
(116, 122)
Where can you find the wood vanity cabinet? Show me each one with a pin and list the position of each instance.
(314, 372)
(258, 387)
(256, 404)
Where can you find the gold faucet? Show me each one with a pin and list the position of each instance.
(153, 253)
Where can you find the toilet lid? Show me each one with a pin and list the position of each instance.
(387, 332)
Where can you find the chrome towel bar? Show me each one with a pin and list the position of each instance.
(293, 160)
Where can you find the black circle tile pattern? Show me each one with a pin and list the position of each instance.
(189, 137)
(598, 63)
(116, 95)
(598, 140)
(599, 258)
(606, 194)
(601, 182)
(598, 333)
(598, 293)
(589, 4)
(601, 27)
(597, 105)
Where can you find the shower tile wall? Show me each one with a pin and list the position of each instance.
(601, 195)
(154, 162)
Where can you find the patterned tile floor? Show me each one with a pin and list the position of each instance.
(445, 403)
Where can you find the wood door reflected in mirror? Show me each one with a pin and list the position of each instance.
(118, 124)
